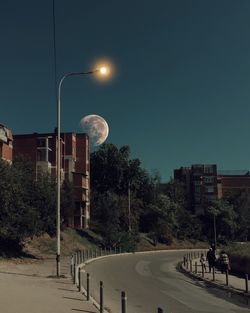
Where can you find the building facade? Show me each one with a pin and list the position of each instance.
(205, 184)
(41, 149)
(6, 144)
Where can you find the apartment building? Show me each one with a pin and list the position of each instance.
(41, 149)
(204, 184)
(200, 181)
(233, 180)
(6, 144)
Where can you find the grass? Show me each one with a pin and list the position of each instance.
(238, 249)
(76, 239)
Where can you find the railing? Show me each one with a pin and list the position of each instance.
(190, 264)
(81, 278)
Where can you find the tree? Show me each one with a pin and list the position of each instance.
(224, 216)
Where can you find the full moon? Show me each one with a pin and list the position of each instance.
(96, 127)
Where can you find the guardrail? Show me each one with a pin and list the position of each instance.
(81, 278)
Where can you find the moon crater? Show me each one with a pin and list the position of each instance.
(96, 127)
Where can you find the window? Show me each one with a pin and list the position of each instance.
(41, 155)
(208, 169)
(197, 189)
(210, 189)
(41, 142)
(209, 179)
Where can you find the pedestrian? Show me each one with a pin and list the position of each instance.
(224, 262)
(203, 262)
(211, 258)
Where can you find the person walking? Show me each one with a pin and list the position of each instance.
(211, 258)
(224, 262)
(203, 262)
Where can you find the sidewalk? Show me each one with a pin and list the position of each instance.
(235, 284)
(32, 288)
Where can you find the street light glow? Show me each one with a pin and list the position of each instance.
(103, 70)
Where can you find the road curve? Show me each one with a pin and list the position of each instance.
(151, 280)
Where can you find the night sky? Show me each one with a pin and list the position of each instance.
(180, 93)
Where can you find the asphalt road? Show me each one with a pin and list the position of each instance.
(150, 281)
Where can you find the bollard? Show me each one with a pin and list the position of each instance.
(88, 291)
(202, 268)
(195, 267)
(79, 279)
(74, 274)
(184, 261)
(124, 302)
(191, 268)
(227, 277)
(96, 253)
(71, 265)
(101, 297)
(110, 250)
(120, 250)
(87, 254)
(159, 310)
(246, 280)
(213, 273)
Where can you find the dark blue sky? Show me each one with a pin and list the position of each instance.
(181, 92)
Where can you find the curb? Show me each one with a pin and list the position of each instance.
(180, 267)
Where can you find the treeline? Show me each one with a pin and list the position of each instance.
(27, 205)
(125, 201)
(160, 210)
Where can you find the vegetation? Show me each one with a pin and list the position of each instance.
(27, 205)
(158, 211)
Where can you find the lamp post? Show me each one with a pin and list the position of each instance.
(103, 71)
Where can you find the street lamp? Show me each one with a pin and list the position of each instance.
(103, 70)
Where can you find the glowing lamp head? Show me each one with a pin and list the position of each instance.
(104, 70)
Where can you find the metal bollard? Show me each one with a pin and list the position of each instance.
(88, 287)
(79, 279)
(246, 280)
(71, 265)
(184, 261)
(191, 267)
(101, 297)
(195, 267)
(202, 268)
(159, 310)
(227, 277)
(74, 274)
(124, 302)
(213, 273)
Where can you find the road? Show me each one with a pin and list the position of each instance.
(150, 280)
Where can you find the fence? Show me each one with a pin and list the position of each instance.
(190, 264)
(83, 279)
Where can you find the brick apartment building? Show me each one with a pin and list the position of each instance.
(41, 149)
(204, 184)
(6, 144)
